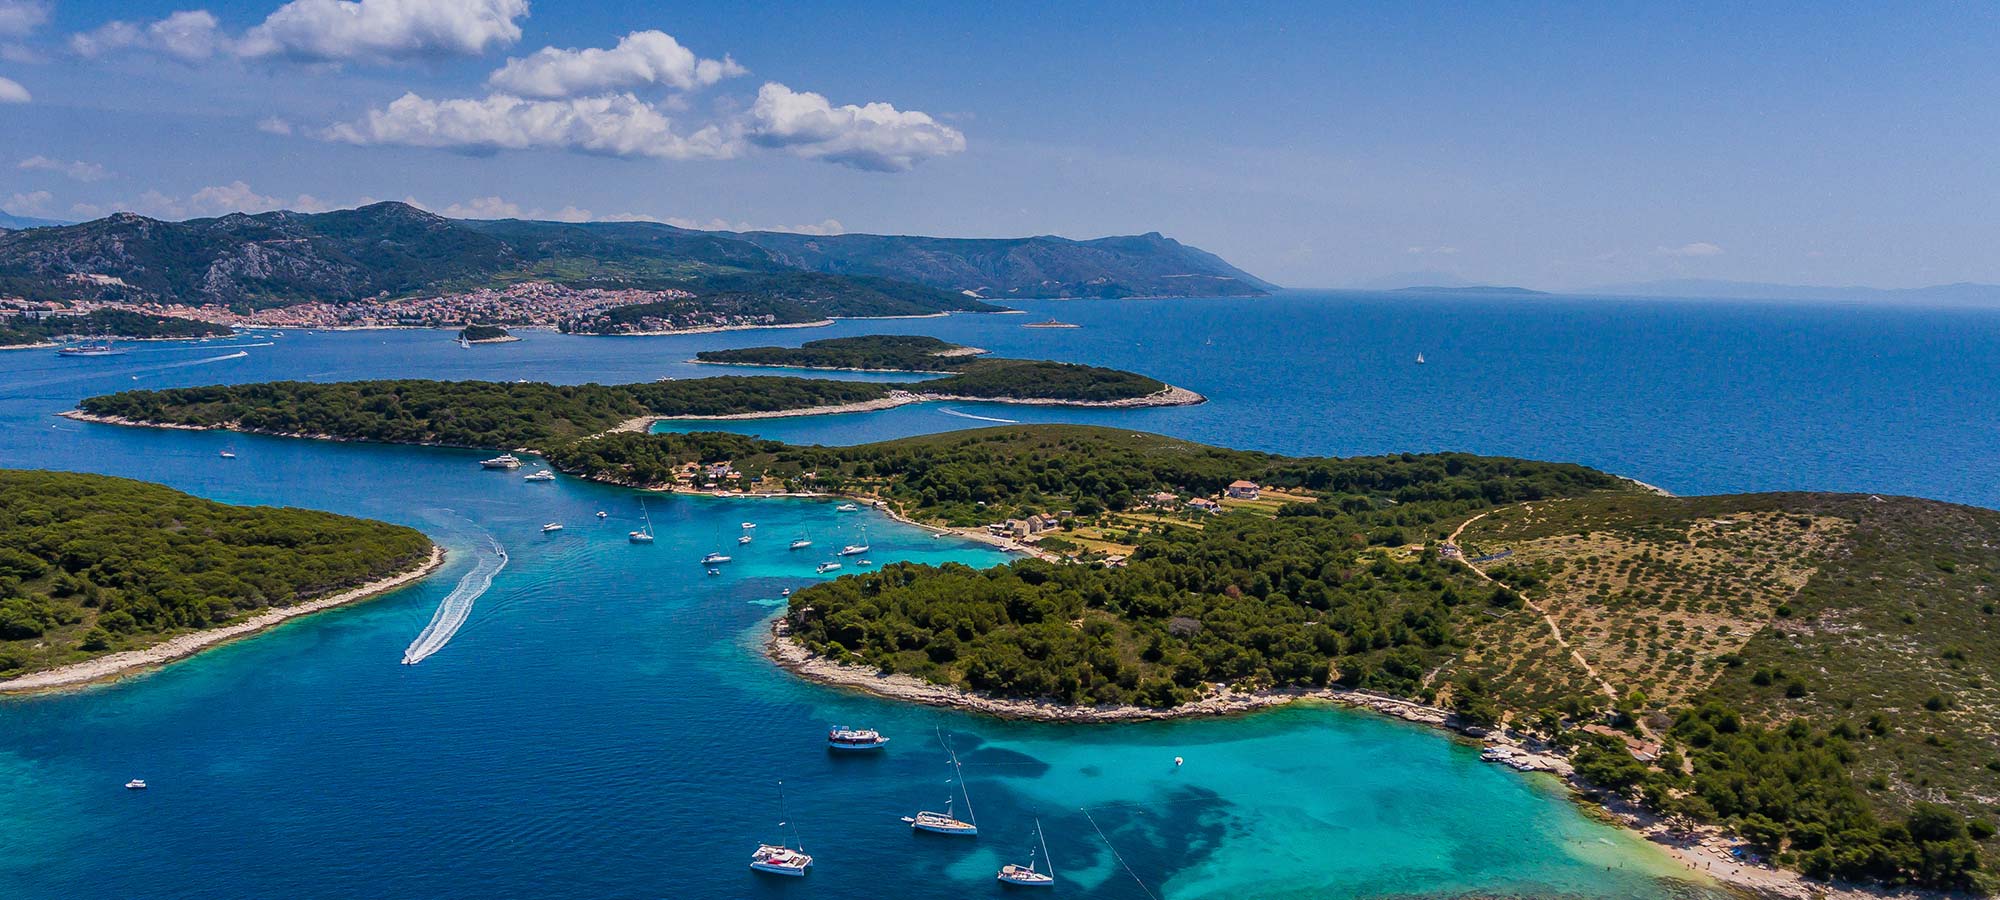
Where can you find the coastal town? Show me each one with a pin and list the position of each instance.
(540, 304)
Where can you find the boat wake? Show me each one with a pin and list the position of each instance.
(457, 605)
(198, 347)
(966, 415)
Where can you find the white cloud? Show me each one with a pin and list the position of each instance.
(1698, 248)
(11, 91)
(274, 125)
(500, 208)
(33, 203)
(343, 30)
(823, 227)
(20, 18)
(214, 200)
(877, 137)
(612, 125)
(323, 31)
(188, 35)
(642, 57)
(75, 170)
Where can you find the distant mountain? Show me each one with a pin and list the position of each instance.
(393, 249)
(1428, 278)
(1146, 265)
(1960, 294)
(9, 220)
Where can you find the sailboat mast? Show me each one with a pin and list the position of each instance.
(1045, 847)
(785, 811)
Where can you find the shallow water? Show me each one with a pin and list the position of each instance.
(602, 726)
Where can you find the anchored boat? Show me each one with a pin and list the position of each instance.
(780, 858)
(945, 822)
(503, 461)
(845, 738)
(645, 534)
(1027, 876)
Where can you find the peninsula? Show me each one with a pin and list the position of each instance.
(100, 575)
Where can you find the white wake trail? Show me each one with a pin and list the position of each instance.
(965, 415)
(457, 605)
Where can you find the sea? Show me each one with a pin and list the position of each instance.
(603, 726)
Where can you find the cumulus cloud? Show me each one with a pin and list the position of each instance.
(641, 58)
(612, 125)
(342, 30)
(20, 18)
(877, 137)
(323, 31)
(11, 91)
(500, 208)
(32, 203)
(823, 227)
(1698, 248)
(75, 170)
(188, 35)
(214, 200)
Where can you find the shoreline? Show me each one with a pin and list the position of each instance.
(1702, 851)
(125, 663)
(1170, 396)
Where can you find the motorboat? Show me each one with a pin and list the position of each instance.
(842, 737)
(847, 507)
(714, 558)
(540, 475)
(228, 454)
(801, 543)
(551, 527)
(749, 525)
(743, 540)
(503, 461)
(136, 784)
(826, 567)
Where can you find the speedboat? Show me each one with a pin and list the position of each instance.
(826, 567)
(802, 543)
(775, 860)
(743, 540)
(865, 562)
(847, 507)
(787, 592)
(714, 571)
(136, 784)
(542, 475)
(749, 525)
(552, 526)
(845, 738)
(503, 461)
(602, 514)
(713, 558)
(639, 537)
(228, 454)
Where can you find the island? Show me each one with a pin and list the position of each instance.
(868, 353)
(46, 327)
(485, 334)
(100, 576)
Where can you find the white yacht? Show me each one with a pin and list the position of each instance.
(749, 525)
(847, 507)
(503, 461)
(136, 784)
(826, 567)
(801, 543)
(539, 475)
(1026, 876)
(714, 558)
(743, 540)
(781, 858)
(228, 454)
(945, 822)
(551, 527)
(645, 533)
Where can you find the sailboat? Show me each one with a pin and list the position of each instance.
(1027, 876)
(857, 549)
(945, 822)
(801, 542)
(1420, 359)
(780, 858)
(645, 533)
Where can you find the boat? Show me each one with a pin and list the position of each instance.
(552, 526)
(503, 461)
(645, 533)
(462, 342)
(826, 567)
(228, 454)
(714, 571)
(945, 822)
(136, 784)
(743, 540)
(602, 514)
(847, 507)
(865, 562)
(787, 592)
(714, 558)
(1420, 359)
(102, 348)
(857, 549)
(801, 543)
(841, 737)
(539, 475)
(1049, 323)
(781, 858)
(1027, 876)
(749, 525)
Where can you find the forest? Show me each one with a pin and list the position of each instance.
(17, 331)
(91, 564)
(971, 375)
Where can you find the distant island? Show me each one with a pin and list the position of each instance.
(22, 329)
(485, 334)
(868, 353)
(1473, 290)
(142, 574)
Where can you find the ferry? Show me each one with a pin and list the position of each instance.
(98, 349)
(503, 461)
(826, 567)
(845, 738)
(551, 527)
(1026, 876)
(714, 558)
(542, 475)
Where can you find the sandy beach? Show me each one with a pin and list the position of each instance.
(127, 662)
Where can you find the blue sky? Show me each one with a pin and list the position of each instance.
(1313, 144)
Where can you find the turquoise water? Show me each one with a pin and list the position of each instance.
(602, 725)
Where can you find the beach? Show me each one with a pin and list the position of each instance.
(127, 662)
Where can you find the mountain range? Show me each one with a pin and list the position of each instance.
(394, 249)
(9, 220)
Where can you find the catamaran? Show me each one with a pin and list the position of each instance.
(645, 534)
(1026, 876)
(945, 822)
(503, 461)
(856, 549)
(845, 738)
(780, 858)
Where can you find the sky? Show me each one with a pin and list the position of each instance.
(1313, 144)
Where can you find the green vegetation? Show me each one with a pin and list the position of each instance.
(17, 331)
(483, 333)
(784, 298)
(875, 352)
(91, 564)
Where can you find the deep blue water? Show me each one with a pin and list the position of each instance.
(602, 726)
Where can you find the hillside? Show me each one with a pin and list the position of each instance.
(1147, 265)
(783, 298)
(389, 250)
(16, 331)
(91, 564)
